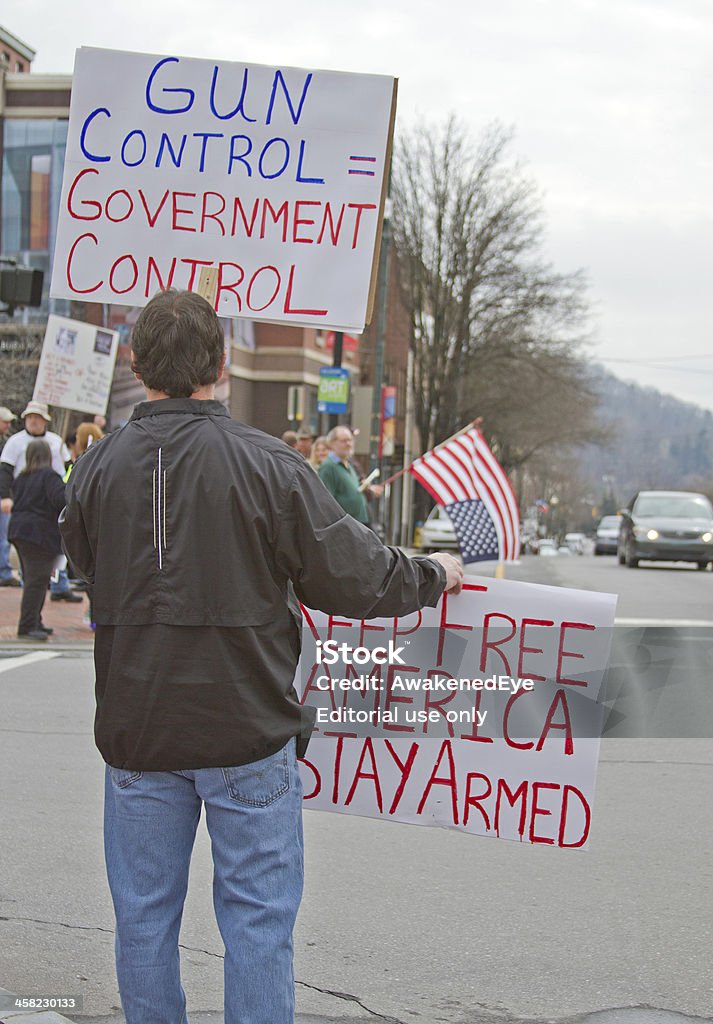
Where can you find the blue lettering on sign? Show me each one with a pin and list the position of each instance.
(234, 157)
(83, 137)
(166, 144)
(167, 110)
(238, 109)
(205, 136)
(142, 157)
(312, 181)
(265, 150)
(279, 79)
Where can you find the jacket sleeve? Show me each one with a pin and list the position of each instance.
(339, 566)
(6, 477)
(54, 490)
(75, 539)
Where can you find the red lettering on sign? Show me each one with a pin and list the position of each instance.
(405, 770)
(231, 286)
(276, 215)
(563, 818)
(70, 282)
(337, 769)
(162, 285)
(494, 645)
(437, 702)
(179, 211)
(373, 775)
(474, 800)
(152, 218)
(523, 673)
(506, 721)
(512, 798)
(443, 626)
(238, 208)
(288, 307)
(299, 221)
(449, 780)
(359, 207)
(390, 699)
(562, 654)
(84, 202)
(317, 779)
(473, 734)
(215, 215)
(565, 726)
(536, 787)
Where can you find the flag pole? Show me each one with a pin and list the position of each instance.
(464, 430)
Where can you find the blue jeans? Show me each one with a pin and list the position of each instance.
(61, 584)
(5, 567)
(254, 818)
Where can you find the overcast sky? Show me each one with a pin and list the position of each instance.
(609, 99)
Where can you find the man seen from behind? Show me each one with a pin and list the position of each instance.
(196, 532)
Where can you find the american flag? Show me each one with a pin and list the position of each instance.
(465, 478)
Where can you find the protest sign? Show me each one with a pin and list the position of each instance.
(76, 366)
(275, 176)
(483, 714)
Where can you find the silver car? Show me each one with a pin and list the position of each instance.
(670, 526)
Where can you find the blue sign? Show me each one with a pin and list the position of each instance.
(333, 390)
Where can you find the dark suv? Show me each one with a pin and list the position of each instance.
(670, 526)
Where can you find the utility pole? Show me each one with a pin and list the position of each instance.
(336, 362)
(383, 281)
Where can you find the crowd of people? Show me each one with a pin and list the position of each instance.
(35, 464)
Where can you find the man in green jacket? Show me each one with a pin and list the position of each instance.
(340, 478)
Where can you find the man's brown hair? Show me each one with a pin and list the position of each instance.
(178, 344)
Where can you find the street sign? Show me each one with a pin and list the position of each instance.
(333, 391)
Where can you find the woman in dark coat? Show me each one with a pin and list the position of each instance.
(38, 499)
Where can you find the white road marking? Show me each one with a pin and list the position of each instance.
(707, 623)
(6, 664)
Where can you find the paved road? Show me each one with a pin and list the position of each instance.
(655, 591)
(398, 922)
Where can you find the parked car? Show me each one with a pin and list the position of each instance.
(437, 533)
(575, 542)
(547, 548)
(671, 526)
(607, 538)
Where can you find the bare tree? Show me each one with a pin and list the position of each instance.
(485, 307)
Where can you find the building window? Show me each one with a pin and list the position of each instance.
(19, 66)
(32, 164)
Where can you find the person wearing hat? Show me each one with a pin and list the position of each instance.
(12, 463)
(304, 441)
(7, 579)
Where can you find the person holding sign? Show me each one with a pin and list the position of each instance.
(341, 479)
(198, 533)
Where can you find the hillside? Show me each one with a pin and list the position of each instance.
(657, 441)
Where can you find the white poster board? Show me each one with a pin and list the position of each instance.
(76, 366)
(273, 175)
(449, 738)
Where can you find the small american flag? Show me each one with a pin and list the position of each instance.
(465, 478)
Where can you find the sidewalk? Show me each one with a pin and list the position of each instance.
(65, 619)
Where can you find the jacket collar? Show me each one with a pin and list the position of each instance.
(194, 406)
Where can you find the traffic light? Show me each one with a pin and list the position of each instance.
(20, 286)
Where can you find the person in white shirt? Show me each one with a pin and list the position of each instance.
(12, 463)
(36, 417)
